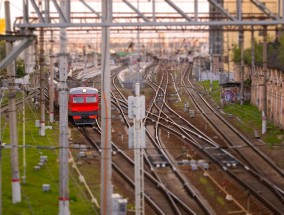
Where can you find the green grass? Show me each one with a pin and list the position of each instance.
(34, 200)
(249, 117)
(5, 97)
(215, 93)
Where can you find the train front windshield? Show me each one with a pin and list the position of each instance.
(78, 99)
(91, 99)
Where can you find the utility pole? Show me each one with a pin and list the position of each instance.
(42, 84)
(241, 45)
(228, 50)
(24, 139)
(51, 85)
(211, 68)
(106, 169)
(16, 186)
(25, 87)
(35, 75)
(241, 35)
(1, 197)
(138, 48)
(252, 52)
(264, 68)
(63, 114)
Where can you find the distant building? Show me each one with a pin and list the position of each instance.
(221, 42)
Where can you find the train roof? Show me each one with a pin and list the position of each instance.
(83, 90)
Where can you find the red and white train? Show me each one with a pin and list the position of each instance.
(83, 104)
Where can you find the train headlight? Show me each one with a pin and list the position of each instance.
(84, 90)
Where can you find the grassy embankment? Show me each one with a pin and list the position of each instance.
(34, 200)
(248, 116)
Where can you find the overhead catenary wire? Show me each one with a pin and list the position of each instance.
(55, 148)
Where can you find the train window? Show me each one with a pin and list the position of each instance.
(90, 99)
(78, 99)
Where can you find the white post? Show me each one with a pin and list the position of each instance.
(16, 186)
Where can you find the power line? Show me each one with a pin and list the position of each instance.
(54, 148)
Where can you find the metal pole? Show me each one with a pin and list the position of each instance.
(242, 67)
(138, 158)
(46, 12)
(1, 197)
(24, 140)
(85, 61)
(241, 45)
(228, 50)
(282, 9)
(106, 169)
(16, 187)
(196, 10)
(264, 67)
(51, 85)
(26, 11)
(252, 52)
(138, 48)
(153, 11)
(35, 75)
(211, 69)
(42, 84)
(63, 121)
(95, 55)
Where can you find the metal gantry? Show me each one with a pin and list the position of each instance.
(152, 19)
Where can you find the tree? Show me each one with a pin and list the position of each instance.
(20, 64)
(247, 54)
(20, 68)
(2, 56)
(236, 54)
(2, 49)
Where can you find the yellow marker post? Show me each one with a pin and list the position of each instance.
(2, 26)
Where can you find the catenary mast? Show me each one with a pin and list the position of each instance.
(106, 170)
(16, 187)
(63, 114)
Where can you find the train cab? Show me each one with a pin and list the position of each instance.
(83, 105)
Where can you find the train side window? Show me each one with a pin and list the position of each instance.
(78, 100)
(90, 99)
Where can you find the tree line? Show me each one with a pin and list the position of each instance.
(275, 54)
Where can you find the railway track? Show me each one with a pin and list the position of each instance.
(160, 116)
(161, 199)
(155, 156)
(259, 174)
(269, 191)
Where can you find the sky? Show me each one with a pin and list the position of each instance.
(16, 8)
